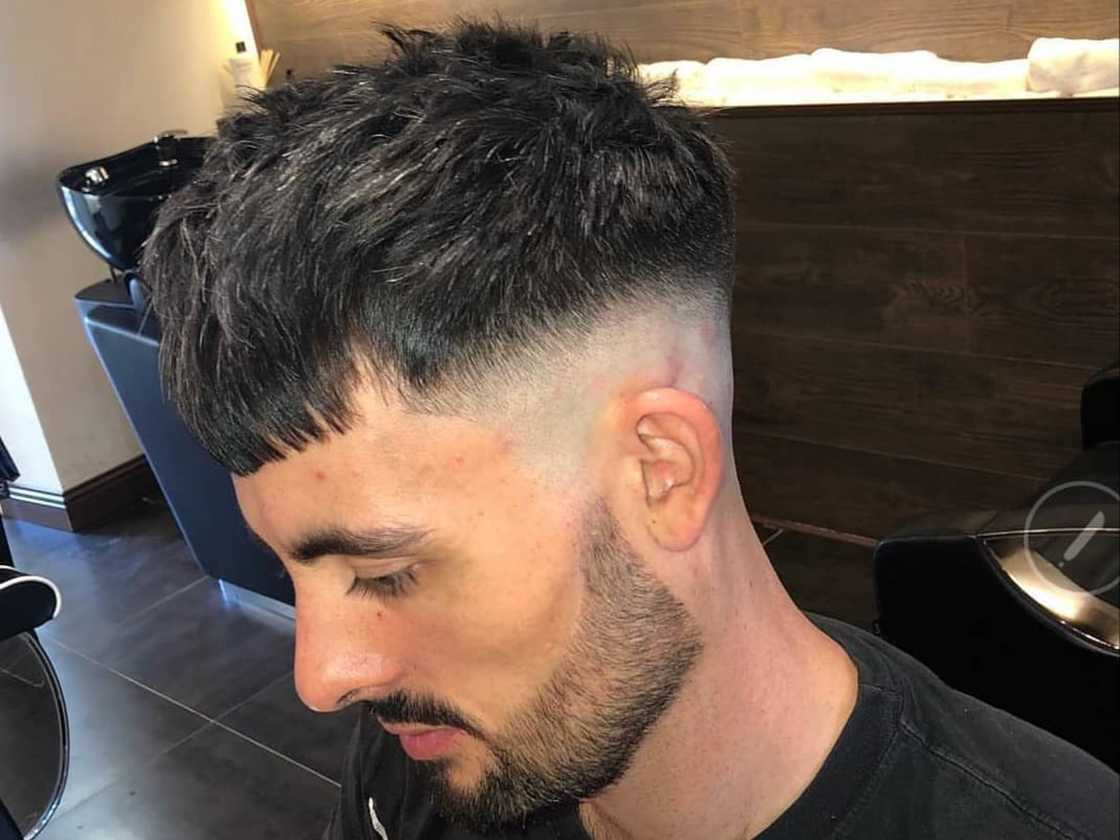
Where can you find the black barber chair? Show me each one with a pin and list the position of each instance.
(34, 733)
(1019, 607)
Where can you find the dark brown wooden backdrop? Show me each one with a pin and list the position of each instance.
(920, 296)
(312, 34)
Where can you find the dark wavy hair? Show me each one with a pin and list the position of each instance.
(436, 223)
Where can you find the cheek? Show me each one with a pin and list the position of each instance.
(501, 607)
(504, 627)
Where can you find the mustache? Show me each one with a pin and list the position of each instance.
(400, 708)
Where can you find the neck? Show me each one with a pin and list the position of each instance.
(751, 728)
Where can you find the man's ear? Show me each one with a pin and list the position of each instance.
(675, 439)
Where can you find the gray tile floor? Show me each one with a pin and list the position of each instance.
(184, 719)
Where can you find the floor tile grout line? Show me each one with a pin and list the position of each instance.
(165, 599)
(209, 720)
(275, 752)
(205, 721)
(134, 681)
(220, 722)
(253, 696)
(124, 775)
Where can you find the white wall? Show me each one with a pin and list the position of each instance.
(19, 422)
(80, 79)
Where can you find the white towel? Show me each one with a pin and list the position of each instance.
(786, 71)
(738, 81)
(967, 79)
(851, 72)
(827, 75)
(1072, 66)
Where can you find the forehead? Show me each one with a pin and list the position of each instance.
(389, 465)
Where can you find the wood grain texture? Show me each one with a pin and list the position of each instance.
(878, 316)
(1005, 173)
(946, 408)
(965, 30)
(894, 287)
(1047, 299)
(314, 34)
(856, 491)
(699, 30)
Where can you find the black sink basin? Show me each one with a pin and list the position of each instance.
(113, 201)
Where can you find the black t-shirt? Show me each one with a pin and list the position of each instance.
(916, 760)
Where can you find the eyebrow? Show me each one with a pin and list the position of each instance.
(374, 543)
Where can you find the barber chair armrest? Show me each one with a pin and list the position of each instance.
(26, 601)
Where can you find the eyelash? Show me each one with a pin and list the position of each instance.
(387, 586)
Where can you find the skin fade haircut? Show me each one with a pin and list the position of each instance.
(445, 224)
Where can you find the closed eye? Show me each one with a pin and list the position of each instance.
(387, 586)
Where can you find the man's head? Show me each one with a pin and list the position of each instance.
(458, 325)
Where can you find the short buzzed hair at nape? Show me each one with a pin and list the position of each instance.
(438, 222)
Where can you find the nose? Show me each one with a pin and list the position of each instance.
(338, 662)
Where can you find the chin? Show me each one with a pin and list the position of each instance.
(463, 771)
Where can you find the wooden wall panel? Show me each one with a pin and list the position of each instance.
(1045, 298)
(897, 287)
(1048, 299)
(313, 34)
(965, 30)
(857, 492)
(1019, 173)
(919, 299)
(659, 31)
(947, 408)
